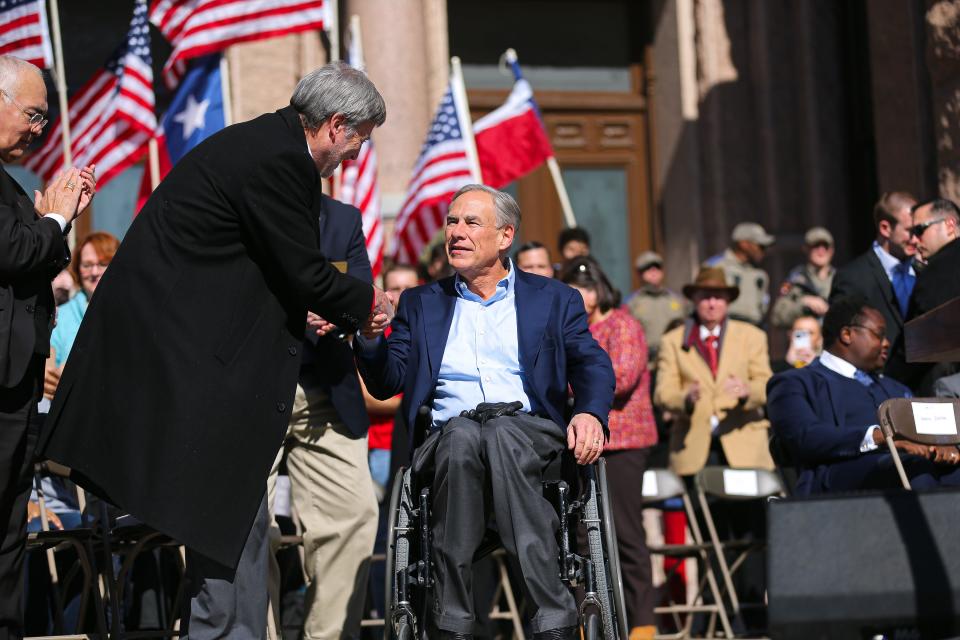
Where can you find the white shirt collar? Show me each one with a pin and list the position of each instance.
(706, 333)
(837, 364)
(888, 262)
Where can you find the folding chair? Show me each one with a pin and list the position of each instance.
(929, 421)
(80, 540)
(735, 485)
(660, 485)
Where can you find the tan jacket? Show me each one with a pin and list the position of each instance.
(743, 429)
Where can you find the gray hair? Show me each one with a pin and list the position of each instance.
(338, 88)
(11, 68)
(506, 208)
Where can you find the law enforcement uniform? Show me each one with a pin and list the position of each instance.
(803, 280)
(654, 307)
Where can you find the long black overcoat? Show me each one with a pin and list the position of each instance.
(178, 390)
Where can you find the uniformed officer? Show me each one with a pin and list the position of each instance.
(807, 287)
(652, 304)
(741, 264)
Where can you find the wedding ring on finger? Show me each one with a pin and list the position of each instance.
(71, 185)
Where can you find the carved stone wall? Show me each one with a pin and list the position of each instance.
(943, 61)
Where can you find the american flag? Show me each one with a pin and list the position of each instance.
(111, 117)
(358, 181)
(23, 31)
(441, 169)
(200, 27)
(358, 186)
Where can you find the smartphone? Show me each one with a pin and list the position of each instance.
(801, 340)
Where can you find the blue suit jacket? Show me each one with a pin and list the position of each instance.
(556, 349)
(807, 409)
(341, 240)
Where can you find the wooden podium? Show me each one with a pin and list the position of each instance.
(935, 336)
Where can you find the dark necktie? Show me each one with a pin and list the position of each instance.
(903, 282)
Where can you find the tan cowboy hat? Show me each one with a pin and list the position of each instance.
(711, 279)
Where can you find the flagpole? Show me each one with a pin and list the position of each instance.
(553, 166)
(356, 42)
(225, 88)
(463, 116)
(61, 84)
(153, 163)
(61, 80)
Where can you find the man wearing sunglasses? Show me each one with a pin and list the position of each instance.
(936, 227)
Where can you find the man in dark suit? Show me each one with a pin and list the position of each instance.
(179, 387)
(825, 414)
(493, 333)
(935, 233)
(885, 274)
(331, 487)
(32, 252)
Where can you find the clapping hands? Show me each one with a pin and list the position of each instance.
(68, 194)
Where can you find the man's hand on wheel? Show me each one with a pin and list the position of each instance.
(585, 438)
(381, 316)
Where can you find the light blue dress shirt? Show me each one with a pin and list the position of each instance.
(481, 361)
(888, 262)
(69, 316)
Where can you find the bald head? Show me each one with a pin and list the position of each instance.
(12, 72)
(24, 96)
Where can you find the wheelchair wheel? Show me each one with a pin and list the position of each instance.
(398, 555)
(613, 551)
(595, 542)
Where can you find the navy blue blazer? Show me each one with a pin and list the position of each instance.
(328, 360)
(556, 349)
(808, 411)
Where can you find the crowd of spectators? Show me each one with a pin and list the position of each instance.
(693, 366)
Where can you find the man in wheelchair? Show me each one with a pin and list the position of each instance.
(493, 334)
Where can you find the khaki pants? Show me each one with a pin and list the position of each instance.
(333, 497)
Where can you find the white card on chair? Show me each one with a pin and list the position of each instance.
(934, 418)
(740, 482)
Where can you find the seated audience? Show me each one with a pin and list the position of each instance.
(825, 414)
(807, 287)
(712, 375)
(806, 343)
(652, 304)
(533, 257)
(573, 242)
(632, 432)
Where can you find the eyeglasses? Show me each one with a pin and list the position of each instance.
(33, 117)
(876, 334)
(918, 230)
(89, 266)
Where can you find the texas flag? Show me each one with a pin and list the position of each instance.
(196, 113)
(511, 140)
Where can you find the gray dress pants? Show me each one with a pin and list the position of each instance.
(497, 469)
(227, 604)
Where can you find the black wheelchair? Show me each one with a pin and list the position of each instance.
(578, 493)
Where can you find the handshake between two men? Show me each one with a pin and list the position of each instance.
(381, 315)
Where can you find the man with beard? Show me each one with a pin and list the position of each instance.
(825, 414)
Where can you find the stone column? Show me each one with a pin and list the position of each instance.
(943, 61)
(906, 156)
(405, 48)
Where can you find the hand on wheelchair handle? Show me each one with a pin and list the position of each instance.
(585, 437)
